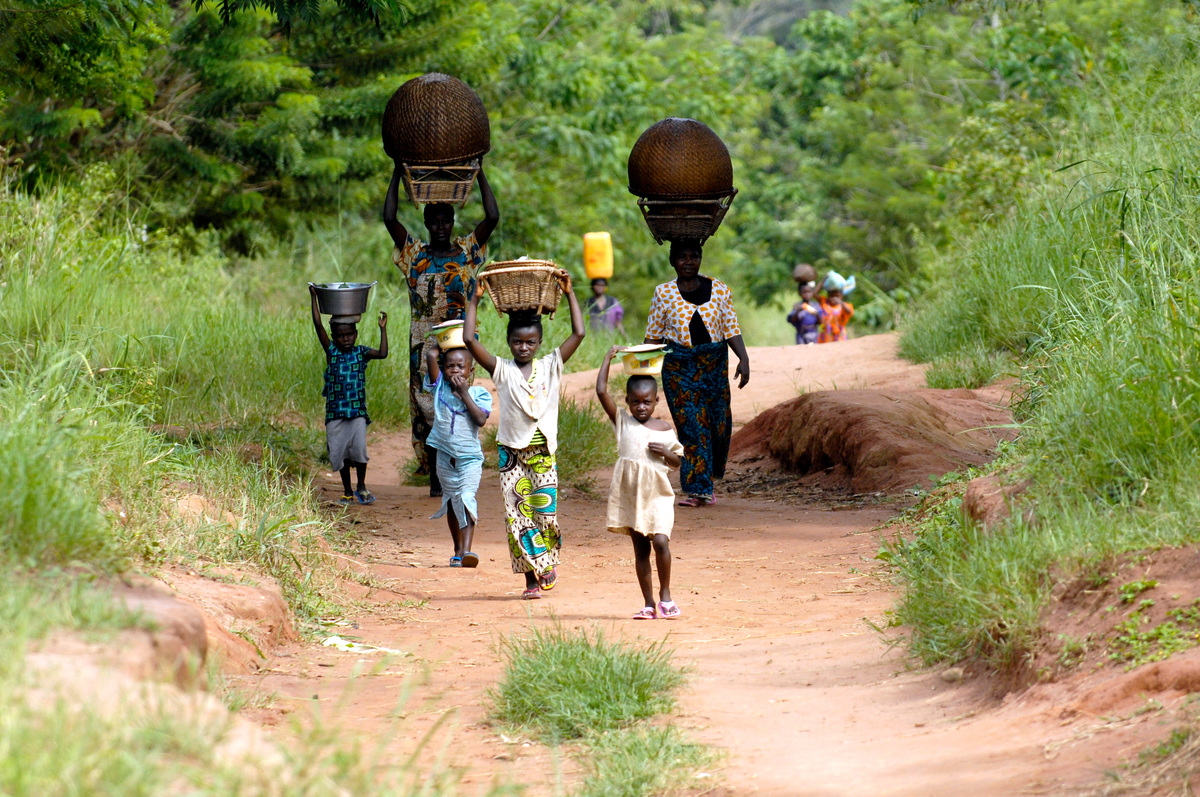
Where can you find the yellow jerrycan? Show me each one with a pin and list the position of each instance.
(597, 255)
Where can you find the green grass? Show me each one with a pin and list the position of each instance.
(644, 761)
(563, 686)
(1088, 293)
(560, 684)
(171, 745)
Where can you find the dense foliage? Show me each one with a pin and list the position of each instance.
(1089, 294)
(861, 139)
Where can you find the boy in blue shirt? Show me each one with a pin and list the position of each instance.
(345, 395)
(458, 411)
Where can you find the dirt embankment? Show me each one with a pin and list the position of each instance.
(868, 441)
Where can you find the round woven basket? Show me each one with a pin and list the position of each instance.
(680, 159)
(435, 119)
(523, 286)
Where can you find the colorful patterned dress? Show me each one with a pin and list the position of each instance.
(834, 320)
(695, 378)
(527, 438)
(438, 290)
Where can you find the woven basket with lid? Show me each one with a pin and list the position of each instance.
(435, 119)
(680, 159)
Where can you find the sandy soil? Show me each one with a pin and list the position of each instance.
(780, 600)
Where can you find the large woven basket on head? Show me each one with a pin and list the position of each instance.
(680, 159)
(523, 286)
(435, 119)
(677, 219)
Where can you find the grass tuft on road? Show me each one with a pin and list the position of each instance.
(575, 687)
(560, 684)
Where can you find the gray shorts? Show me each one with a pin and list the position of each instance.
(346, 440)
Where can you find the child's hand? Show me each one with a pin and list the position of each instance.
(658, 448)
(564, 281)
(480, 289)
(312, 290)
(383, 320)
(458, 384)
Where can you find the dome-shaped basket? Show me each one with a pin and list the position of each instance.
(523, 286)
(678, 219)
(680, 159)
(435, 119)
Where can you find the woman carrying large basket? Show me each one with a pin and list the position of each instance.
(684, 174)
(436, 129)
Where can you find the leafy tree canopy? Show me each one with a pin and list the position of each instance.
(860, 138)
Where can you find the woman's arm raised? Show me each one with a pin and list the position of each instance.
(390, 204)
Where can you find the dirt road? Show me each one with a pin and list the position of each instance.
(779, 598)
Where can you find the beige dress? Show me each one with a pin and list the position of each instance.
(641, 498)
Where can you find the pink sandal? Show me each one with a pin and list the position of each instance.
(691, 500)
(532, 594)
(668, 610)
(647, 613)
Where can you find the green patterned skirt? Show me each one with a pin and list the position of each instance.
(529, 481)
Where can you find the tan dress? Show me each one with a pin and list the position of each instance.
(641, 498)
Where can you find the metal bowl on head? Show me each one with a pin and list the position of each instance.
(342, 298)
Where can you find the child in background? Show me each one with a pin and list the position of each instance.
(345, 395)
(837, 311)
(528, 393)
(458, 411)
(806, 314)
(641, 502)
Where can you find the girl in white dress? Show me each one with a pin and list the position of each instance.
(641, 502)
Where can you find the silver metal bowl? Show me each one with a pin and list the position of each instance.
(342, 298)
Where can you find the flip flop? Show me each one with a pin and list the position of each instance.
(710, 500)
(531, 594)
(647, 613)
(364, 496)
(668, 610)
(691, 500)
(346, 500)
(547, 580)
(456, 561)
(470, 559)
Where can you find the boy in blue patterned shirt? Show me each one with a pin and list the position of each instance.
(345, 395)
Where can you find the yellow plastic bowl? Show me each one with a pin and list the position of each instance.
(636, 367)
(449, 335)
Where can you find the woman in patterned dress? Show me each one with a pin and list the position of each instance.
(694, 315)
(441, 278)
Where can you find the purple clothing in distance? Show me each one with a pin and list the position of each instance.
(807, 321)
(609, 316)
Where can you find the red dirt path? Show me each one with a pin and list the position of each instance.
(788, 676)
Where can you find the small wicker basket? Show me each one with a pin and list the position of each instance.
(450, 184)
(523, 285)
(674, 219)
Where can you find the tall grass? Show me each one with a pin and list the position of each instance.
(1091, 288)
